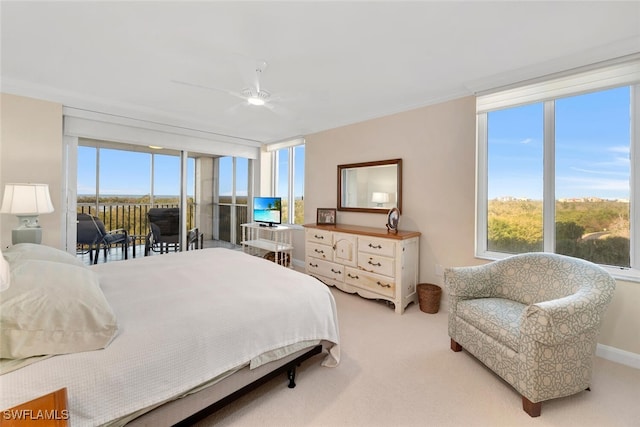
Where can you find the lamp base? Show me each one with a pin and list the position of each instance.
(26, 235)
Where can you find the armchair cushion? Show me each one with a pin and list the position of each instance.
(498, 318)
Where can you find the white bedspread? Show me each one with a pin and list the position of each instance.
(183, 318)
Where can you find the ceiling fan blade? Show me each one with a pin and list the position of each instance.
(279, 110)
(215, 89)
(235, 108)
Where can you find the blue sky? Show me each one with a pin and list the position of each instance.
(129, 173)
(592, 148)
(283, 168)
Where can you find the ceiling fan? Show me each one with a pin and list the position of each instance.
(253, 95)
(257, 96)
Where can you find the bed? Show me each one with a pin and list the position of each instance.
(191, 329)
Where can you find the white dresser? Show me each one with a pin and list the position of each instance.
(365, 260)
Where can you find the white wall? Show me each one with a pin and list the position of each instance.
(31, 151)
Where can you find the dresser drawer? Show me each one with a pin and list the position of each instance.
(319, 236)
(375, 246)
(376, 264)
(372, 282)
(316, 266)
(316, 250)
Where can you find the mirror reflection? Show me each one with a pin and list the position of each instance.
(370, 186)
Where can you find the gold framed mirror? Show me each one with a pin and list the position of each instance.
(373, 187)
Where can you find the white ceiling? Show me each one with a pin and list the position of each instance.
(329, 63)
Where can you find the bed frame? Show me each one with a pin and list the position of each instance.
(194, 407)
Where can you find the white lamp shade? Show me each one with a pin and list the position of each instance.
(26, 199)
(380, 197)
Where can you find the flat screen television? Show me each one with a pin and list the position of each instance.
(267, 210)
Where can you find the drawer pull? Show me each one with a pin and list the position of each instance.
(318, 251)
(352, 276)
(318, 237)
(384, 285)
(336, 272)
(375, 247)
(376, 264)
(313, 265)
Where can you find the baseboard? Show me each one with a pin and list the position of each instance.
(298, 264)
(619, 356)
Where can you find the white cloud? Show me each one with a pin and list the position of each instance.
(600, 172)
(593, 184)
(620, 149)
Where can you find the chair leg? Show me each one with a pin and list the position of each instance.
(455, 346)
(533, 409)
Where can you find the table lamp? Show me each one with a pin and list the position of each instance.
(379, 198)
(26, 201)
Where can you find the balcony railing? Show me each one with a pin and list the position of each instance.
(131, 216)
(242, 216)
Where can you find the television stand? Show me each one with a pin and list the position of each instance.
(267, 224)
(271, 241)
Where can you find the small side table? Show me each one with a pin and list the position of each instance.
(274, 242)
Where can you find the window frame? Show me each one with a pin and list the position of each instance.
(288, 147)
(625, 74)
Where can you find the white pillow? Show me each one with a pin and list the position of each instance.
(4, 273)
(23, 251)
(53, 308)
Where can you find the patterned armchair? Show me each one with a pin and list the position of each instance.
(533, 319)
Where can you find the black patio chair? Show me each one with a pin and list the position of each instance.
(164, 230)
(93, 236)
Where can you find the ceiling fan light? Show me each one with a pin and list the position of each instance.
(254, 100)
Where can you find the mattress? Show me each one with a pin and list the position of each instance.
(184, 319)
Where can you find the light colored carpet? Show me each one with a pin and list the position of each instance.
(398, 370)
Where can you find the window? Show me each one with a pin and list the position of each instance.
(232, 198)
(121, 185)
(592, 210)
(282, 181)
(555, 169)
(515, 179)
(288, 175)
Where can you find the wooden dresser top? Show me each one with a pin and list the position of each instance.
(366, 231)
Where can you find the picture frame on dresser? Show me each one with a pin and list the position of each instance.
(326, 216)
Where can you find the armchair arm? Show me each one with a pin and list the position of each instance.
(116, 236)
(553, 322)
(468, 282)
(118, 231)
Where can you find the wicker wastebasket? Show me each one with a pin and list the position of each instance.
(429, 297)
